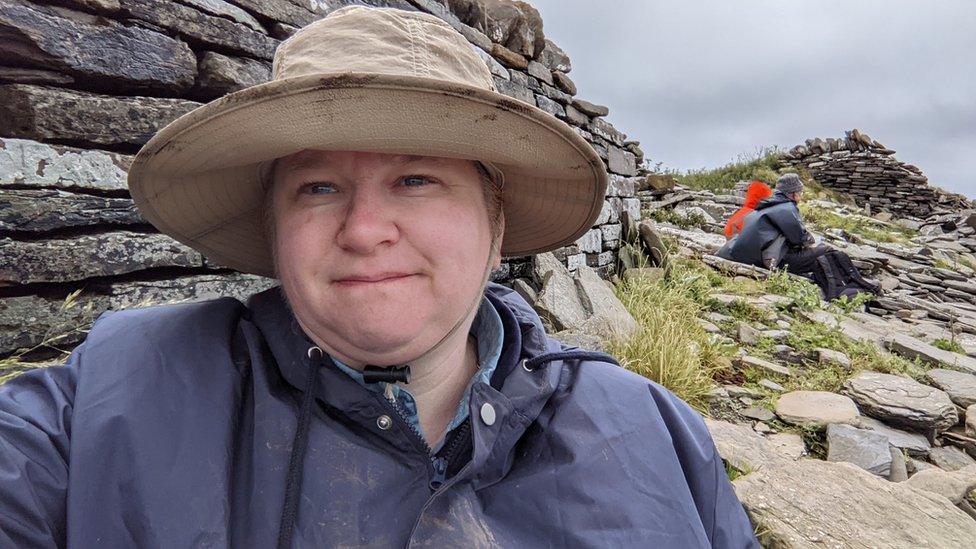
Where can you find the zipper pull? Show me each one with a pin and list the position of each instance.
(388, 393)
(440, 473)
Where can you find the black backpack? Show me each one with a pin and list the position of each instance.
(837, 276)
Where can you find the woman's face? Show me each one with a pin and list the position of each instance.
(380, 255)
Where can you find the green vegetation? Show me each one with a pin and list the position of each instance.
(762, 166)
(949, 345)
(855, 224)
(669, 215)
(671, 347)
(668, 310)
(733, 472)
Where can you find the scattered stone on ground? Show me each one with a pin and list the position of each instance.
(866, 449)
(832, 357)
(747, 450)
(899, 468)
(758, 414)
(901, 401)
(952, 485)
(765, 365)
(813, 503)
(914, 443)
(950, 458)
(816, 409)
(960, 387)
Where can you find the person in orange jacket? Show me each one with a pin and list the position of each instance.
(757, 192)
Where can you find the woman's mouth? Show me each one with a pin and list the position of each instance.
(372, 279)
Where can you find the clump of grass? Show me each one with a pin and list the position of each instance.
(805, 336)
(764, 166)
(671, 347)
(863, 226)
(733, 472)
(82, 318)
(804, 294)
(669, 215)
(949, 345)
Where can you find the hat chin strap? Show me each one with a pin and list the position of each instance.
(394, 374)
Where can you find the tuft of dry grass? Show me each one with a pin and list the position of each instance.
(671, 347)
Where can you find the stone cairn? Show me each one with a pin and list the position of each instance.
(84, 83)
(868, 172)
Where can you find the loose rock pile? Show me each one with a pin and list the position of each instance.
(892, 446)
(866, 170)
(84, 83)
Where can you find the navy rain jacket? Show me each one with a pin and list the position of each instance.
(187, 426)
(774, 217)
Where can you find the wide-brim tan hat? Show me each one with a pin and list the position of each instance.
(364, 79)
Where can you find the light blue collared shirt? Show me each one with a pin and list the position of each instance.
(487, 329)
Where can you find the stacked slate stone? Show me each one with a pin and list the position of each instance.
(868, 172)
(84, 83)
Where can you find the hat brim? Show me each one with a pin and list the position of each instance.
(198, 179)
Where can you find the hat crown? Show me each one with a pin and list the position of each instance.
(364, 40)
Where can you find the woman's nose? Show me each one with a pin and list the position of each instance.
(368, 222)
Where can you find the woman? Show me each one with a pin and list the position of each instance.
(385, 395)
(756, 193)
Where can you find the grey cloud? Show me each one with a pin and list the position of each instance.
(701, 82)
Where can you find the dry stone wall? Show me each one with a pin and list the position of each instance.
(84, 83)
(868, 172)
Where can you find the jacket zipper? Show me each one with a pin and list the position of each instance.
(443, 459)
(437, 464)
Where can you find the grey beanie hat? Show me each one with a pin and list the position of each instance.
(789, 183)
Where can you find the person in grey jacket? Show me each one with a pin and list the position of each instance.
(774, 236)
(385, 394)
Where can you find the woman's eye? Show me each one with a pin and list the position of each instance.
(415, 181)
(318, 188)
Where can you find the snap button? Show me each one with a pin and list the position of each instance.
(384, 422)
(488, 414)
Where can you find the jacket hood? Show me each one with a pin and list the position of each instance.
(775, 200)
(757, 192)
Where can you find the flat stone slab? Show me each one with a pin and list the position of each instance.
(791, 445)
(763, 364)
(866, 449)
(97, 50)
(832, 357)
(62, 260)
(28, 163)
(950, 458)
(814, 504)
(607, 315)
(902, 402)
(952, 485)
(758, 414)
(50, 209)
(816, 409)
(26, 321)
(914, 443)
(961, 387)
(557, 303)
(747, 450)
(38, 113)
(911, 347)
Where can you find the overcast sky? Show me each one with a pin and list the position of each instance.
(699, 83)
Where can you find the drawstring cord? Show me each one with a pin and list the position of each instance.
(530, 364)
(293, 482)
